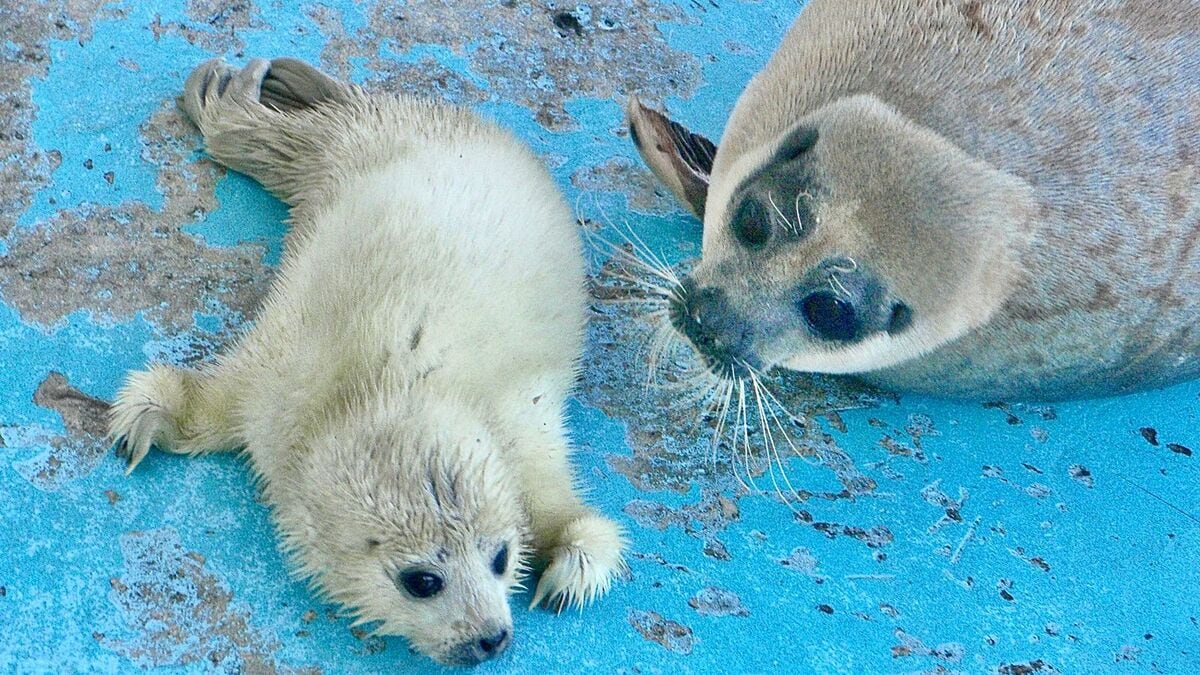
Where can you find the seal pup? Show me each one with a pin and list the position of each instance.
(969, 199)
(401, 393)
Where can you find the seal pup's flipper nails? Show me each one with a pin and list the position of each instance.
(292, 85)
(582, 565)
(682, 160)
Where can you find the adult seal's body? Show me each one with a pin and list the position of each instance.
(970, 199)
(401, 393)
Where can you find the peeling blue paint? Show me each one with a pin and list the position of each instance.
(1060, 537)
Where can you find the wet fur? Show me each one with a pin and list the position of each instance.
(401, 393)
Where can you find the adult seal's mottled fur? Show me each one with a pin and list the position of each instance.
(971, 199)
(401, 393)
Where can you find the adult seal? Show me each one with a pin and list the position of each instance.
(968, 199)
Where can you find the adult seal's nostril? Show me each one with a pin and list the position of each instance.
(708, 320)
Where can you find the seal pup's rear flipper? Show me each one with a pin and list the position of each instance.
(682, 160)
(291, 85)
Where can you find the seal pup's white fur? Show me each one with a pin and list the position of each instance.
(401, 392)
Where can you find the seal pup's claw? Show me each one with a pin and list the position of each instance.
(582, 566)
(214, 80)
(141, 416)
(134, 421)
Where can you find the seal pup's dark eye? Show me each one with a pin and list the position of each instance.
(500, 562)
(420, 584)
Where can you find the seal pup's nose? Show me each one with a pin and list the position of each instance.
(480, 649)
(494, 644)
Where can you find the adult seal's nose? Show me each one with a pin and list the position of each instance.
(709, 322)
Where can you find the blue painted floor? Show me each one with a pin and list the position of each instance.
(920, 535)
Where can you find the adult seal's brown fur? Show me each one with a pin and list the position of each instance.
(970, 199)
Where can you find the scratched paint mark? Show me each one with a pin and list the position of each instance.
(1179, 449)
(1027, 668)
(952, 508)
(176, 612)
(1082, 475)
(803, 561)
(909, 645)
(673, 636)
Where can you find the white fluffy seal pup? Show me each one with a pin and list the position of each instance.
(401, 392)
(969, 199)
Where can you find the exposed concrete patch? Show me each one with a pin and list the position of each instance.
(76, 454)
(81, 414)
(713, 601)
(542, 54)
(28, 28)
(214, 24)
(180, 613)
(618, 174)
(673, 636)
(118, 261)
(704, 519)
(427, 78)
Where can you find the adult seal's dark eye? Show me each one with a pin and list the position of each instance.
(500, 562)
(829, 316)
(420, 584)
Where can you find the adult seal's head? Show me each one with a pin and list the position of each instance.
(915, 194)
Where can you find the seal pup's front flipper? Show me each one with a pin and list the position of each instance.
(681, 159)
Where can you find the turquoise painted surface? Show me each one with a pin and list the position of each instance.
(977, 537)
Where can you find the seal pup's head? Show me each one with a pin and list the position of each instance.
(851, 241)
(404, 512)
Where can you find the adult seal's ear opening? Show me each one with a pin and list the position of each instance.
(958, 224)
